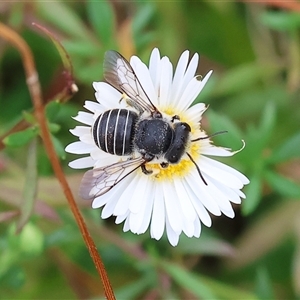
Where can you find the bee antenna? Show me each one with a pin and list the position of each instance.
(197, 167)
(209, 136)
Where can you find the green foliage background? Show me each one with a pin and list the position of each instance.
(254, 51)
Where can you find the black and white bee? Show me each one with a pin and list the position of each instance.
(140, 132)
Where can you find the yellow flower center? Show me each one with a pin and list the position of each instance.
(176, 170)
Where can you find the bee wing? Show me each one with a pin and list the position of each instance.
(119, 73)
(99, 181)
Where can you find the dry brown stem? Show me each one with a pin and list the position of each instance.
(35, 92)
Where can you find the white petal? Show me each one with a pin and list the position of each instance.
(221, 200)
(241, 194)
(165, 82)
(137, 218)
(84, 117)
(103, 200)
(123, 205)
(139, 222)
(138, 194)
(194, 113)
(80, 130)
(186, 206)
(179, 75)
(99, 202)
(197, 228)
(121, 218)
(191, 92)
(79, 148)
(220, 175)
(229, 193)
(216, 151)
(148, 210)
(201, 211)
(188, 227)
(105, 160)
(93, 106)
(158, 214)
(173, 236)
(189, 74)
(87, 139)
(109, 207)
(98, 154)
(191, 69)
(144, 77)
(126, 224)
(82, 163)
(202, 191)
(222, 172)
(113, 197)
(108, 96)
(154, 70)
(172, 207)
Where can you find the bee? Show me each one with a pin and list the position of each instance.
(140, 132)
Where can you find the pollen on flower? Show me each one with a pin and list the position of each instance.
(177, 170)
(171, 112)
(168, 110)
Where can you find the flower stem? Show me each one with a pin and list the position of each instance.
(36, 96)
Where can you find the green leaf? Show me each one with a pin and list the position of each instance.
(207, 245)
(64, 18)
(225, 291)
(54, 127)
(133, 290)
(102, 18)
(90, 72)
(30, 186)
(280, 20)
(60, 150)
(244, 77)
(218, 122)
(189, 281)
(254, 194)
(288, 150)
(52, 109)
(82, 49)
(215, 43)
(29, 117)
(144, 40)
(21, 138)
(258, 138)
(267, 123)
(7, 260)
(283, 185)
(263, 284)
(203, 287)
(142, 19)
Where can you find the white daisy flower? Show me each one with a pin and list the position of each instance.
(150, 157)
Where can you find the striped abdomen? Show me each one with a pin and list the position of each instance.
(113, 131)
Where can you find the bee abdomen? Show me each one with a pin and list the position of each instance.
(113, 131)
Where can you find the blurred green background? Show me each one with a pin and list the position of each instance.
(254, 50)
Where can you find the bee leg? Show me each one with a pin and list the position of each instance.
(164, 165)
(175, 117)
(122, 97)
(147, 157)
(145, 171)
